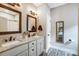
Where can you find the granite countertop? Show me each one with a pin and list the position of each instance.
(5, 48)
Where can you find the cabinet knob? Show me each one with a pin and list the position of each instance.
(32, 43)
(48, 34)
(32, 49)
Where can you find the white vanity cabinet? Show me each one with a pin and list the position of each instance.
(31, 48)
(36, 47)
(16, 51)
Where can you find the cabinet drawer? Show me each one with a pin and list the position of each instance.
(32, 51)
(32, 44)
(15, 51)
(24, 53)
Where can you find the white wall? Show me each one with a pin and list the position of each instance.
(53, 5)
(42, 17)
(69, 14)
(48, 30)
(44, 20)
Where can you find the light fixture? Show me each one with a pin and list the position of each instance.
(33, 13)
(33, 28)
(40, 28)
(14, 4)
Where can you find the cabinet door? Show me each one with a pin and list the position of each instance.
(24, 53)
(32, 51)
(38, 49)
(42, 46)
(15, 51)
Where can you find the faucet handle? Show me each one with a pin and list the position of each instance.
(6, 40)
(14, 38)
(10, 38)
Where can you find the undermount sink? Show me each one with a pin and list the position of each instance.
(36, 36)
(10, 43)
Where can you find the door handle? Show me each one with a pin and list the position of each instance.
(48, 34)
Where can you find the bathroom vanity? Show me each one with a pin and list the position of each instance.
(10, 23)
(33, 46)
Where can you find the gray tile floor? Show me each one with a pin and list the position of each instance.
(57, 52)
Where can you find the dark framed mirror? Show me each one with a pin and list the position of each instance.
(60, 31)
(10, 20)
(31, 23)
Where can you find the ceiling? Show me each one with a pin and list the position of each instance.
(38, 4)
(51, 5)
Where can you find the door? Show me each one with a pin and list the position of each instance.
(48, 30)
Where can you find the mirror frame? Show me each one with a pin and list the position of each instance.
(35, 23)
(12, 32)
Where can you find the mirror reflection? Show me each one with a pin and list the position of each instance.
(9, 20)
(31, 23)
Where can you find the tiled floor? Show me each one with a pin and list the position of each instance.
(57, 52)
